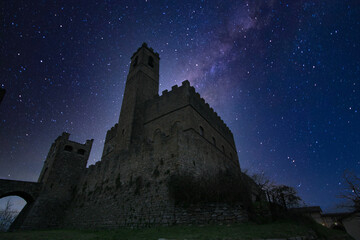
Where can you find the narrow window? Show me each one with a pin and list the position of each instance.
(81, 151)
(223, 148)
(135, 61)
(151, 61)
(68, 148)
(123, 131)
(231, 156)
(201, 131)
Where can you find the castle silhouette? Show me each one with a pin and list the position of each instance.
(155, 138)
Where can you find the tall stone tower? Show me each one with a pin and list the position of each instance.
(142, 84)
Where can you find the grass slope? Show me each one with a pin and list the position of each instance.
(230, 232)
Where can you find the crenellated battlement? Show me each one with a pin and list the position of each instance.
(64, 142)
(146, 46)
(186, 84)
(182, 96)
(209, 110)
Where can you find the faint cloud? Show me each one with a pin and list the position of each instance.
(214, 60)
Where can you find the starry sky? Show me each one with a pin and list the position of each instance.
(283, 75)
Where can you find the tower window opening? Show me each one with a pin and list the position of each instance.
(201, 131)
(223, 148)
(135, 61)
(151, 61)
(214, 141)
(68, 148)
(81, 151)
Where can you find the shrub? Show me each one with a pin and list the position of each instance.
(223, 187)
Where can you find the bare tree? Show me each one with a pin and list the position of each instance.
(352, 190)
(7, 216)
(282, 195)
(285, 196)
(264, 183)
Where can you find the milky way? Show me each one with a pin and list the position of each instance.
(283, 75)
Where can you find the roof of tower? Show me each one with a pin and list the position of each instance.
(144, 45)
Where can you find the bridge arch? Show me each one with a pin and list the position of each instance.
(29, 191)
(24, 195)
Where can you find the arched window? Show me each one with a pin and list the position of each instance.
(68, 148)
(81, 151)
(135, 61)
(201, 131)
(214, 141)
(151, 61)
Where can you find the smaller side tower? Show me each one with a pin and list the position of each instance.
(65, 163)
(63, 167)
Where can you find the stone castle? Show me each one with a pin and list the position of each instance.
(155, 138)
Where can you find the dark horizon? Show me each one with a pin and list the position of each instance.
(283, 75)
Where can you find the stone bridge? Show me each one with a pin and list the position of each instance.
(29, 191)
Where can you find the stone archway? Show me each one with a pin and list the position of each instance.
(29, 191)
(24, 195)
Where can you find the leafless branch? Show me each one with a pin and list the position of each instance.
(7, 216)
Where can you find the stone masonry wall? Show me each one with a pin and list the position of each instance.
(132, 190)
(210, 213)
(129, 188)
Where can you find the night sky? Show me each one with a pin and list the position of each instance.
(283, 75)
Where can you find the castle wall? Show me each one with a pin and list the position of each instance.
(208, 141)
(128, 191)
(132, 190)
(211, 155)
(181, 96)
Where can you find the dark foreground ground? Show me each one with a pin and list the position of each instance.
(276, 230)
